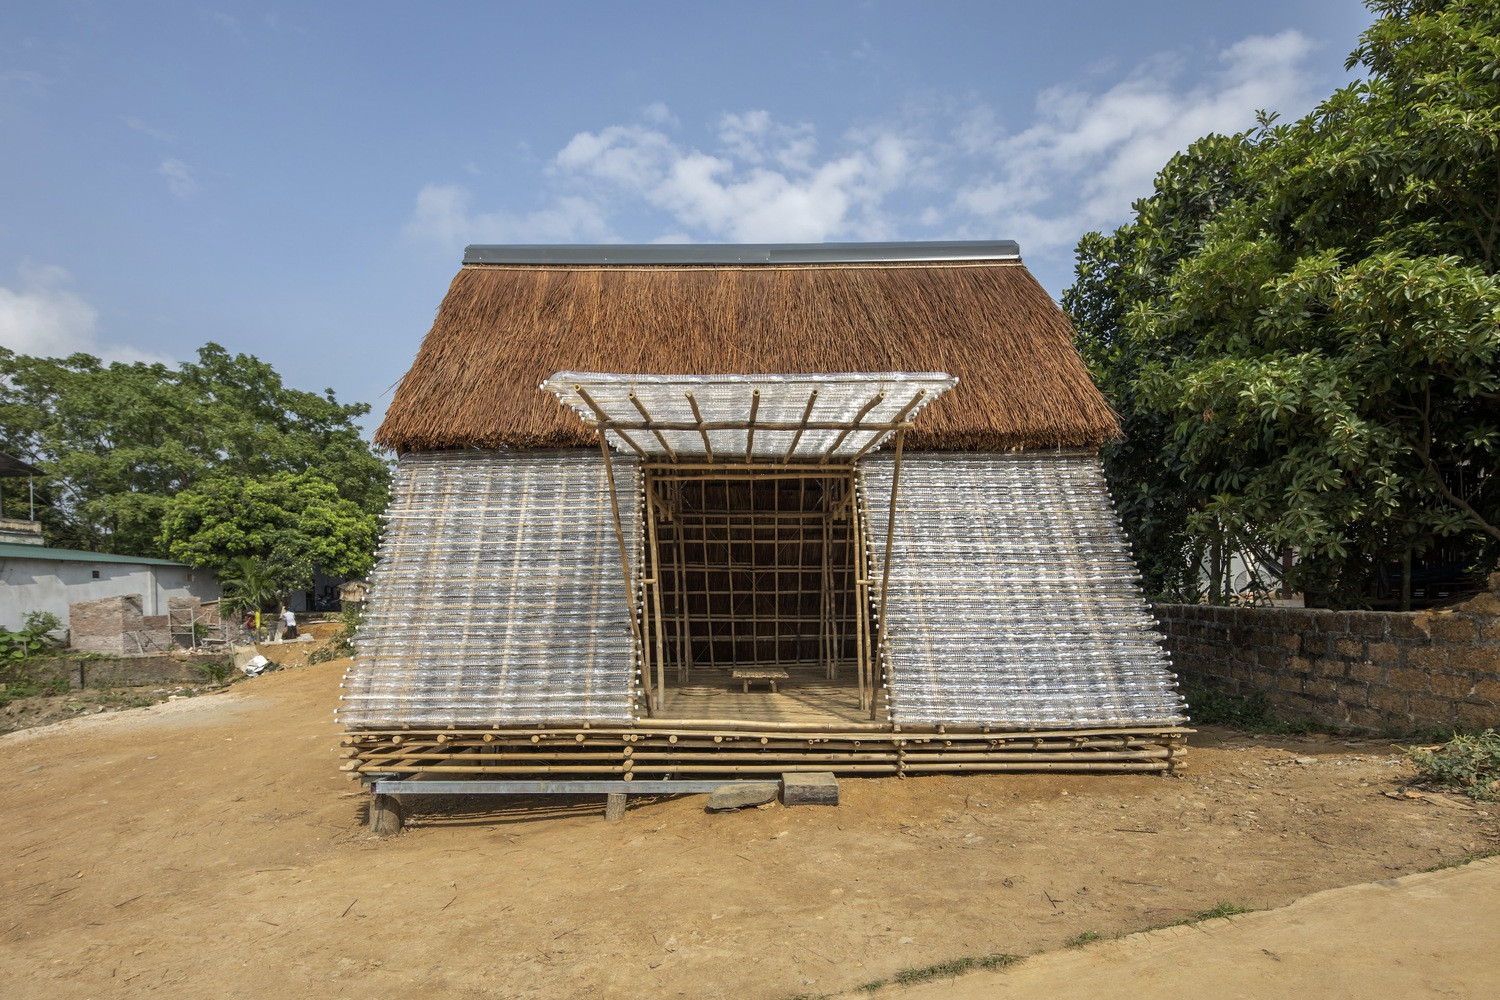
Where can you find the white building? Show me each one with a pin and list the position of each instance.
(36, 578)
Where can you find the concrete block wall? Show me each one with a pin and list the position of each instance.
(1365, 669)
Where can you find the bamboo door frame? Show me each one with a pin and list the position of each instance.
(873, 662)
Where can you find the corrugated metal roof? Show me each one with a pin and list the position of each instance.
(743, 253)
(13, 550)
(12, 466)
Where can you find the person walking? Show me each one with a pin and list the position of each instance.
(290, 618)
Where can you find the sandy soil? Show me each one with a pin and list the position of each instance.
(211, 847)
(43, 710)
(1429, 936)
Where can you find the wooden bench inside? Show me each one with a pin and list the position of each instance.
(747, 674)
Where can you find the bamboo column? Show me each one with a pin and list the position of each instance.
(635, 627)
(655, 584)
(885, 570)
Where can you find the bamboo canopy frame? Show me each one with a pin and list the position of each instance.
(861, 412)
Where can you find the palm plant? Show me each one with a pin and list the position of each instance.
(247, 586)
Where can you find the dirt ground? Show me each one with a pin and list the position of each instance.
(211, 847)
(43, 710)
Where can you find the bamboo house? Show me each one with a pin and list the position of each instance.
(675, 512)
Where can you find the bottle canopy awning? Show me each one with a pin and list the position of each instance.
(788, 419)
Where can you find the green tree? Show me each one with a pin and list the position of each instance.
(118, 441)
(289, 525)
(1119, 275)
(1324, 352)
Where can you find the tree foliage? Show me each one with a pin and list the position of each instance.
(1123, 272)
(118, 441)
(1301, 327)
(288, 526)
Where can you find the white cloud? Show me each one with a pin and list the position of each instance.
(931, 171)
(146, 128)
(179, 177)
(23, 82)
(226, 21)
(657, 113)
(442, 215)
(764, 181)
(1089, 155)
(44, 317)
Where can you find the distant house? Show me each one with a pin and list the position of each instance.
(37, 578)
(25, 531)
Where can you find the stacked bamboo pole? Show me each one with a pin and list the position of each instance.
(712, 748)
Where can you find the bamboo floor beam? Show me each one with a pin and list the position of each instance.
(622, 753)
(734, 728)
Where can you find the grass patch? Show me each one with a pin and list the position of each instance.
(1211, 705)
(1467, 762)
(29, 688)
(1464, 860)
(1214, 913)
(958, 966)
(998, 961)
(950, 969)
(1223, 910)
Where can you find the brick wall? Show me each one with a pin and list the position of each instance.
(1367, 669)
(103, 626)
(112, 672)
(115, 626)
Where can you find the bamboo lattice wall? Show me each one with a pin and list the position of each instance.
(498, 595)
(1014, 601)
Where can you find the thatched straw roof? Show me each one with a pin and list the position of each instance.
(503, 328)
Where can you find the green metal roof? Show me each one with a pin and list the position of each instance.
(15, 550)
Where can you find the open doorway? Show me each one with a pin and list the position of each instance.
(762, 611)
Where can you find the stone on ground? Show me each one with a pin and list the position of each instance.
(741, 794)
(813, 788)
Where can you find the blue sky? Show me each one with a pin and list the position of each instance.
(298, 181)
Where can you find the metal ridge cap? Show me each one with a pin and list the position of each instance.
(741, 253)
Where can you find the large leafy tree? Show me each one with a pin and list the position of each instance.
(1326, 369)
(283, 528)
(1118, 275)
(118, 441)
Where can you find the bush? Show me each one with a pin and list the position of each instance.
(342, 643)
(215, 671)
(1212, 705)
(15, 687)
(34, 638)
(1469, 763)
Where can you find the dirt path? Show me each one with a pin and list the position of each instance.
(210, 846)
(1428, 935)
